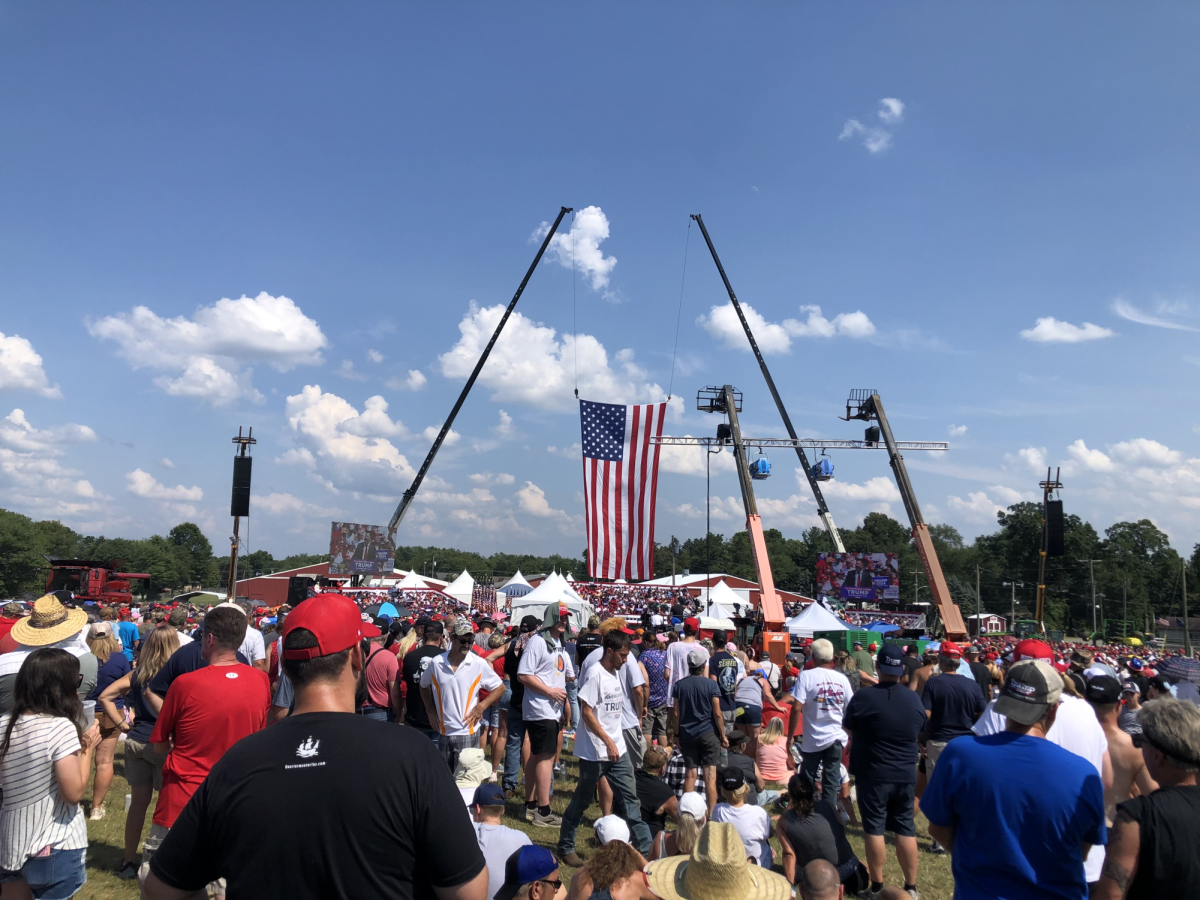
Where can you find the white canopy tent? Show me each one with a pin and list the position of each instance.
(815, 617)
(413, 582)
(555, 589)
(721, 600)
(717, 623)
(517, 586)
(461, 587)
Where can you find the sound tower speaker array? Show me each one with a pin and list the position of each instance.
(1054, 528)
(240, 504)
(298, 586)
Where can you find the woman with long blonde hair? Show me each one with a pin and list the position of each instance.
(143, 767)
(113, 667)
(693, 814)
(772, 754)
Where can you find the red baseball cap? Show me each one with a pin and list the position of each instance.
(332, 618)
(1032, 649)
(951, 649)
(369, 630)
(692, 622)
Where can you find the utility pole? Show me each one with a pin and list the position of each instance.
(1012, 624)
(1048, 487)
(239, 504)
(1187, 635)
(978, 606)
(1092, 574)
(1125, 609)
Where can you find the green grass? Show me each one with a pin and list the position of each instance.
(107, 838)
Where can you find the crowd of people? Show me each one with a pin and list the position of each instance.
(399, 746)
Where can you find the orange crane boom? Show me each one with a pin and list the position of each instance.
(776, 639)
(866, 405)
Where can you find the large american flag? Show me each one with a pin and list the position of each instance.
(620, 482)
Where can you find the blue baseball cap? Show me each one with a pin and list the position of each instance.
(890, 660)
(526, 865)
(488, 794)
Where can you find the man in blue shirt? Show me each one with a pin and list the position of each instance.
(884, 720)
(128, 634)
(1017, 813)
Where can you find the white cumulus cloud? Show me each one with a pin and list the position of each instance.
(375, 356)
(143, 484)
(489, 478)
(685, 459)
(532, 499)
(21, 368)
(978, 506)
(722, 323)
(209, 351)
(876, 138)
(346, 449)
(589, 229)
(1050, 330)
(414, 381)
(1095, 460)
(430, 433)
(505, 428)
(31, 477)
(957, 430)
(532, 364)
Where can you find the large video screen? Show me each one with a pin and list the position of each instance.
(859, 576)
(360, 550)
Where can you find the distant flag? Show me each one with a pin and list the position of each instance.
(620, 481)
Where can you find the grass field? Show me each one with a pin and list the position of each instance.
(107, 838)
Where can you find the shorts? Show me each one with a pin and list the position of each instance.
(635, 745)
(543, 736)
(749, 715)
(506, 697)
(933, 749)
(655, 723)
(703, 752)
(491, 716)
(58, 875)
(143, 765)
(886, 806)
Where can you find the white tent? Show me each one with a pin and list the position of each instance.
(721, 600)
(815, 617)
(717, 623)
(554, 589)
(461, 587)
(413, 582)
(517, 586)
(569, 578)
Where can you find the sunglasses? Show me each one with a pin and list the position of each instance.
(556, 884)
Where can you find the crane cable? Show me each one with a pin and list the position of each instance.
(679, 315)
(574, 315)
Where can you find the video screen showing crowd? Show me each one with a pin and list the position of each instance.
(360, 550)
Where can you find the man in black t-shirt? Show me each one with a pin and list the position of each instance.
(912, 662)
(884, 720)
(952, 702)
(416, 661)
(981, 673)
(587, 642)
(371, 809)
(723, 668)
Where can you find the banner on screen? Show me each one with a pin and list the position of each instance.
(859, 576)
(360, 550)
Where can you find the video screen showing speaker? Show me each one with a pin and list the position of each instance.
(859, 576)
(1055, 527)
(360, 550)
(240, 504)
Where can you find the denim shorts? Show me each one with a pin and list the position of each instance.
(491, 716)
(57, 876)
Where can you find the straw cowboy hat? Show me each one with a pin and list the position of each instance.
(50, 623)
(716, 870)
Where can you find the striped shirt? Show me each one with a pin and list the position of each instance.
(34, 815)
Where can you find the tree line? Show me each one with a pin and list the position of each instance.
(1138, 574)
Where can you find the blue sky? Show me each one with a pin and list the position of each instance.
(298, 219)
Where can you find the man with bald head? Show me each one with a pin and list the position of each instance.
(819, 881)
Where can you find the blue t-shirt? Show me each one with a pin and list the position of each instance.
(954, 703)
(128, 635)
(694, 695)
(187, 658)
(1022, 809)
(885, 720)
(115, 668)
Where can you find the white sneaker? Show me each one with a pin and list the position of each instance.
(97, 813)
